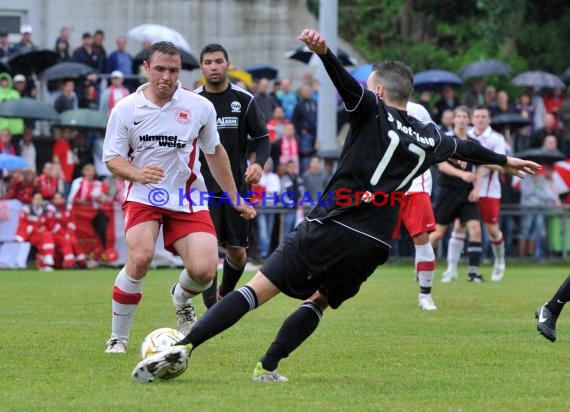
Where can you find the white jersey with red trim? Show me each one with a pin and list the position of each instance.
(422, 183)
(170, 136)
(490, 139)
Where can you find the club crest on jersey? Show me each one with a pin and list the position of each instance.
(236, 107)
(183, 116)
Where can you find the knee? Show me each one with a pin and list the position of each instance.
(475, 233)
(141, 258)
(237, 255)
(202, 272)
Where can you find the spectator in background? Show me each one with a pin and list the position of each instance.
(288, 98)
(47, 183)
(64, 156)
(491, 97)
(553, 100)
(305, 122)
(446, 102)
(84, 53)
(67, 100)
(89, 96)
(112, 94)
(6, 146)
(99, 52)
(289, 147)
(446, 122)
(33, 228)
(120, 59)
(6, 49)
(524, 107)
(549, 128)
(315, 179)
(62, 41)
(276, 129)
(14, 125)
(22, 186)
(25, 44)
(502, 105)
(267, 103)
(25, 87)
(27, 149)
(62, 50)
(271, 185)
(564, 116)
(291, 191)
(475, 96)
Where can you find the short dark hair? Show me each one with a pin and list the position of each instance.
(163, 47)
(397, 78)
(99, 31)
(213, 47)
(86, 35)
(3, 34)
(483, 107)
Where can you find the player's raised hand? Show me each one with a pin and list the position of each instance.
(150, 174)
(520, 167)
(314, 41)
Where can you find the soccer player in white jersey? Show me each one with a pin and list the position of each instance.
(416, 213)
(489, 196)
(153, 141)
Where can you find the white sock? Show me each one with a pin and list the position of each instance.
(498, 246)
(425, 266)
(454, 249)
(184, 291)
(127, 294)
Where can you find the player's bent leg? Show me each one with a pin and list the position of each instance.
(295, 330)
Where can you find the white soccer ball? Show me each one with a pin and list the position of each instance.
(159, 340)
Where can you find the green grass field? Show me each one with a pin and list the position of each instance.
(379, 352)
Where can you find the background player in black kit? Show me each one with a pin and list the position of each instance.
(328, 256)
(239, 119)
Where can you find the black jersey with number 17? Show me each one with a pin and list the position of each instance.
(385, 149)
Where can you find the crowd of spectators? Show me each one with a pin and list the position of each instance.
(291, 115)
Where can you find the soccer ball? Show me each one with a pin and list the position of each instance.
(159, 340)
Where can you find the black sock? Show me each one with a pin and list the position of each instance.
(560, 298)
(210, 295)
(221, 316)
(230, 276)
(474, 256)
(296, 328)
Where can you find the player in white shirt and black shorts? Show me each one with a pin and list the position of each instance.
(153, 141)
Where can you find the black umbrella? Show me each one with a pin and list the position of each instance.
(4, 67)
(542, 156)
(482, 68)
(262, 71)
(189, 62)
(26, 108)
(66, 70)
(303, 54)
(513, 120)
(32, 62)
(435, 80)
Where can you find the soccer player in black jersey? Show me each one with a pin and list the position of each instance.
(458, 199)
(547, 314)
(239, 119)
(328, 256)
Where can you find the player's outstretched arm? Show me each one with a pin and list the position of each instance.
(219, 164)
(520, 167)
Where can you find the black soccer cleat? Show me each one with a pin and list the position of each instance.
(475, 278)
(546, 322)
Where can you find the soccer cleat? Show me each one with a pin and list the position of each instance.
(475, 278)
(261, 375)
(546, 322)
(498, 272)
(449, 276)
(426, 302)
(156, 366)
(116, 345)
(185, 314)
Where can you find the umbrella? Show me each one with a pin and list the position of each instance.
(27, 108)
(66, 70)
(12, 162)
(304, 55)
(189, 62)
(513, 120)
(435, 79)
(262, 71)
(539, 79)
(32, 62)
(4, 67)
(157, 32)
(83, 118)
(542, 155)
(361, 73)
(482, 68)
